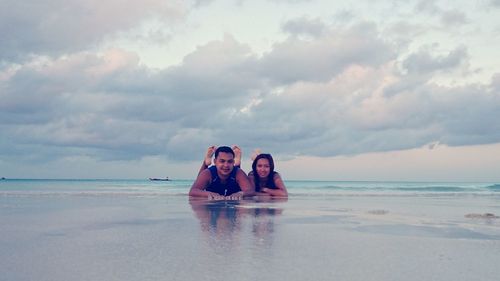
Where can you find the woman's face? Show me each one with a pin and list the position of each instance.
(263, 168)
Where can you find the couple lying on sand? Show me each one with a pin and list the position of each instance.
(226, 181)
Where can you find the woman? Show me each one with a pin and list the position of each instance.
(265, 179)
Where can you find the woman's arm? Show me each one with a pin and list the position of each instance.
(251, 179)
(280, 190)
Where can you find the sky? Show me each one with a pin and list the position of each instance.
(369, 90)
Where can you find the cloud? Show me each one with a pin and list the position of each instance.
(341, 92)
(109, 103)
(296, 59)
(342, 117)
(448, 17)
(290, 1)
(495, 3)
(453, 17)
(60, 26)
(71, 102)
(305, 26)
(199, 3)
(495, 82)
(424, 62)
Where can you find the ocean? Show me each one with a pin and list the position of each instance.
(326, 230)
(140, 187)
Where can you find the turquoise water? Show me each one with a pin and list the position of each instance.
(181, 187)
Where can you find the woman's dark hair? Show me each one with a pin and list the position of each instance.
(270, 178)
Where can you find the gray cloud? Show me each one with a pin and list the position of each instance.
(495, 82)
(427, 6)
(495, 3)
(336, 123)
(64, 26)
(423, 61)
(305, 26)
(453, 17)
(322, 59)
(202, 2)
(448, 17)
(290, 1)
(340, 93)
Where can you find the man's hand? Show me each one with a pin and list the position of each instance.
(215, 196)
(235, 196)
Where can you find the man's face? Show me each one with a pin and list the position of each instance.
(224, 163)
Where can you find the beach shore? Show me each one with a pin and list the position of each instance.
(128, 237)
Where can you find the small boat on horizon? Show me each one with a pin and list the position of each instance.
(159, 179)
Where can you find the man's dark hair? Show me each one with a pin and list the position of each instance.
(225, 149)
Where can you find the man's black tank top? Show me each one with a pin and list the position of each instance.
(227, 188)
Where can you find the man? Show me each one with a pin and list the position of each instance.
(223, 180)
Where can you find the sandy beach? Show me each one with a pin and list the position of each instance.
(169, 237)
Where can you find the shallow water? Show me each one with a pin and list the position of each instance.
(108, 230)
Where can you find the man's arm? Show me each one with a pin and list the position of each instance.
(242, 180)
(203, 167)
(251, 179)
(207, 161)
(199, 185)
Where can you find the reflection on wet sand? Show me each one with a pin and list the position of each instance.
(217, 217)
(229, 220)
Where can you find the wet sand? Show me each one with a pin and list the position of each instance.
(302, 238)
